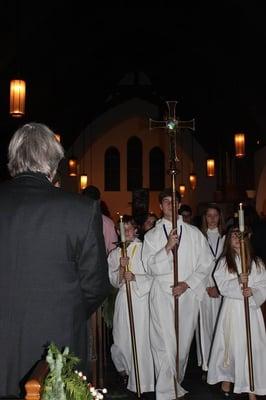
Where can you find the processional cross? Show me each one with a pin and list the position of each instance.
(173, 126)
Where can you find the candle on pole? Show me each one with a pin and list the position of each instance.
(130, 310)
(241, 218)
(122, 229)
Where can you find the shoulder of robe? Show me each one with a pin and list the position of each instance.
(154, 233)
(221, 263)
(113, 253)
(138, 242)
(261, 263)
(193, 230)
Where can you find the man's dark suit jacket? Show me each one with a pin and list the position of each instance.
(53, 272)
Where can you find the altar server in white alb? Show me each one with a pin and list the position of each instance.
(121, 350)
(212, 228)
(229, 360)
(194, 263)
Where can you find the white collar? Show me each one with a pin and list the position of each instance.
(166, 222)
(215, 230)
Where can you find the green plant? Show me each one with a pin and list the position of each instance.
(64, 382)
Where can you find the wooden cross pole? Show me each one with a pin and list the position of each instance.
(244, 255)
(173, 126)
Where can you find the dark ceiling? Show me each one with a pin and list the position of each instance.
(208, 57)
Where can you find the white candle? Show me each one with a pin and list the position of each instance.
(241, 218)
(122, 230)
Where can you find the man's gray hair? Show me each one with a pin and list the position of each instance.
(34, 147)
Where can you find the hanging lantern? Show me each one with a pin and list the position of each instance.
(182, 189)
(72, 167)
(17, 97)
(83, 181)
(240, 145)
(193, 180)
(58, 137)
(210, 167)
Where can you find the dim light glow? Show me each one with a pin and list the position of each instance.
(210, 167)
(72, 167)
(182, 189)
(17, 97)
(240, 145)
(193, 180)
(58, 137)
(83, 182)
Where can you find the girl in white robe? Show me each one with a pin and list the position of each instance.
(212, 228)
(229, 361)
(140, 283)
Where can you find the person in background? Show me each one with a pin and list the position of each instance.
(213, 229)
(96, 326)
(121, 350)
(53, 269)
(194, 263)
(109, 232)
(229, 361)
(257, 226)
(149, 222)
(257, 231)
(186, 211)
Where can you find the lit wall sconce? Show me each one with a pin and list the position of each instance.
(182, 189)
(58, 137)
(210, 167)
(17, 98)
(193, 180)
(240, 145)
(72, 167)
(83, 181)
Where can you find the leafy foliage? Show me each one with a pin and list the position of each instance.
(63, 382)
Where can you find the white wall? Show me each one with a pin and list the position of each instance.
(114, 128)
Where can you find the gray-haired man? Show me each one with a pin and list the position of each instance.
(53, 270)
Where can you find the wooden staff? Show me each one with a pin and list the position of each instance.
(172, 124)
(100, 345)
(173, 172)
(130, 310)
(246, 299)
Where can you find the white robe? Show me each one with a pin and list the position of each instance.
(209, 306)
(121, 350)
(194, 264)
(228, 361)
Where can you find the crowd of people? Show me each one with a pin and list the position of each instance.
(211, 302)
(61, 255)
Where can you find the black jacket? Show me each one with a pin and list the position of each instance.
(53, 272)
